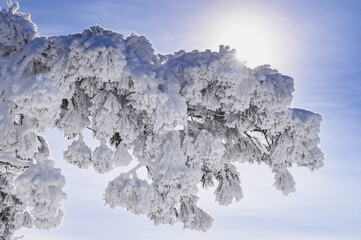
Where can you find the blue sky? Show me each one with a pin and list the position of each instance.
(318, 43)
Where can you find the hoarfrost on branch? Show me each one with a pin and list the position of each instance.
(186, 118)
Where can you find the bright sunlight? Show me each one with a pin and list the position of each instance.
(258, 39)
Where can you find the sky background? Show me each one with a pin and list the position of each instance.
(318, 43)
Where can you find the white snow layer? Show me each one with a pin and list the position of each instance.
(186, 118)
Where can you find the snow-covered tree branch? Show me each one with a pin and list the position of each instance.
(186, 118)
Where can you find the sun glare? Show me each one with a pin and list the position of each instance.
(257, 37)
(253, 43)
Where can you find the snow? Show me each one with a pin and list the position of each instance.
(186, 117)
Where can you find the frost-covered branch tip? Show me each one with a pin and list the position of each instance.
(185, 118)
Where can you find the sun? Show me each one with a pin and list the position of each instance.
(258, 38)
(254, 43)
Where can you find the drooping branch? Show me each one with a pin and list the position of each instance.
(186, 118)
